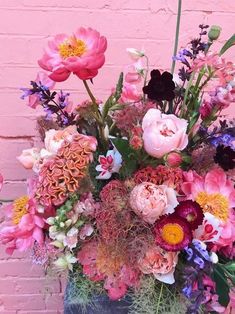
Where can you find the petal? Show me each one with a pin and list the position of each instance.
(166, 278)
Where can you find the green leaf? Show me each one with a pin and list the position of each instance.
(129, 156)
(229, 43)
(222, 287)
(124, 148)
(230, 266)
(113, 99)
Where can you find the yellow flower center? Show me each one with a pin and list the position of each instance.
(72, 48)
(216, 204)
(20, 208)
(172, 233)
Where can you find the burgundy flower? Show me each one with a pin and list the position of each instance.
(191, 211)
(172, 233)
(160, 86)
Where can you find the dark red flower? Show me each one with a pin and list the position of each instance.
(191, 211)
(160, 86)
(172, 233)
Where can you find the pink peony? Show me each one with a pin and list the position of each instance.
(24, 230)
(150, 201)
(163, 133)
(82, 54)
(216, 196)
(160, 263)
(29, 157)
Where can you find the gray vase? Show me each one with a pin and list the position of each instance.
(100, 304)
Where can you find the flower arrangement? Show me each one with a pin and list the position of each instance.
(134, 195)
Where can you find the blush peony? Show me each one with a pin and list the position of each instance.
(163, 133)
(149, 201)
(81, 54)
(160, 263)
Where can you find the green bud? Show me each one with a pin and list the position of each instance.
(214, 32)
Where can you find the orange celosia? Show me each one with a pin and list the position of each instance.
(61, 175)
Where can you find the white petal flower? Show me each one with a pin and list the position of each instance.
(135, 54)
(109, 164)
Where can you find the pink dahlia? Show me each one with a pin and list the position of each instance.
(172, 233)
(82, 54)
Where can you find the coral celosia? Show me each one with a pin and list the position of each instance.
(172, 177)
(61, 175)
(114, 194)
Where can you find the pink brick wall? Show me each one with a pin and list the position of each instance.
(25, 26)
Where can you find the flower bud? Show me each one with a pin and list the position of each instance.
(58, 244)
(135, 54)
(214, 32)
(62, 224)
(50, 220)
(68, 222)
(174, 159)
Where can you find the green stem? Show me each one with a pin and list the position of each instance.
(98, 117)
(146, 74)
(176, 34)
(95, 106)
(186, 95)
(159, 299)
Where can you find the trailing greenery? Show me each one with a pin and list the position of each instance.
(154, 297)
(81, 290)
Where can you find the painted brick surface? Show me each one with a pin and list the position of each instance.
(25, 26)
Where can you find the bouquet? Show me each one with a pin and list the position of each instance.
(133, 195)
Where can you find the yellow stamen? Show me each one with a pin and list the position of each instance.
(172, 233)
(72, 48)
(20, 208)
(216, 204)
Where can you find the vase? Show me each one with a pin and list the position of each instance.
(100, 304)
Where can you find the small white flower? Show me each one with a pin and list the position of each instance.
(71, 238)
(86, 231)
(65, 262)
(50, 220)
(109, 164)
(135, 54)
(214, 258)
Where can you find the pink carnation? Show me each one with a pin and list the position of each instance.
(82, 54)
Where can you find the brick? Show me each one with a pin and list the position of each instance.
(15, 267)
(12, 190)
(23, 302)
(44, 286)
(12, 169)
(54, 302)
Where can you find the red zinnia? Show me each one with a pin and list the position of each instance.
(172, 233)
(191, 211)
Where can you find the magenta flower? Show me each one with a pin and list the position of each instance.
(82, 54)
